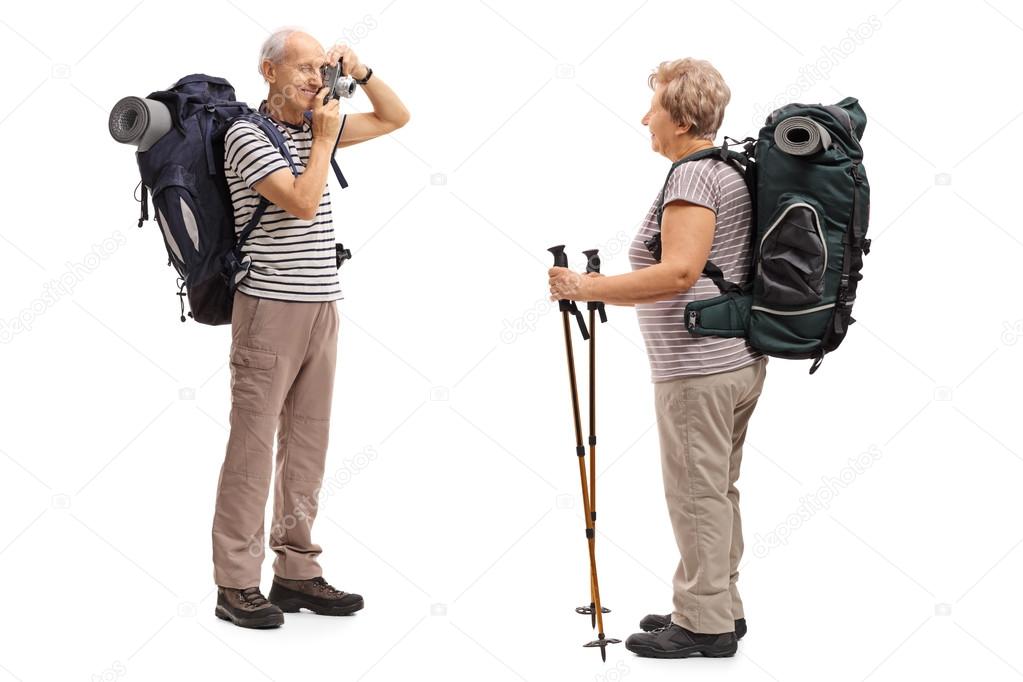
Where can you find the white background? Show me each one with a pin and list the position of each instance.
(460, 520)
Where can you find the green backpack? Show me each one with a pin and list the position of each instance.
(811, 203)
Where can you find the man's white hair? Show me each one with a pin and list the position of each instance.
(275, 46)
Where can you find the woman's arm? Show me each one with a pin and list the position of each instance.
(687, 233)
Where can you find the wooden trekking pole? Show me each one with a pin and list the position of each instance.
(569, 307)
(594, 308)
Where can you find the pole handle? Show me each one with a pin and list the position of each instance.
(593, 265)
(560, 258)
(565, 305)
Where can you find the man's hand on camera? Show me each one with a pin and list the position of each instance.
(326, 118)
(350, 64)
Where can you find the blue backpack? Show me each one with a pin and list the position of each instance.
(184, 173)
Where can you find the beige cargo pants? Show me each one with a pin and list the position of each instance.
(283, 356)
(702, 425)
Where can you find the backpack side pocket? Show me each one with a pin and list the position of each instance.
(793, 255)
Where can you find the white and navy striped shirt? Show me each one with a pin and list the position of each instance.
(672, 350)
(292, 259)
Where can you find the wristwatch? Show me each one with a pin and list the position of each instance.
(369, 74)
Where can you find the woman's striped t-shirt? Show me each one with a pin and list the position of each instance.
(292, 259)
(673, 351)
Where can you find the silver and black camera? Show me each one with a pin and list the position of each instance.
(337, 85)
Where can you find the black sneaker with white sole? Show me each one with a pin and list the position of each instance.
(674, 641)
(656, 622)
(247, 608)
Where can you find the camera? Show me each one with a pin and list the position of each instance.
(338, 85)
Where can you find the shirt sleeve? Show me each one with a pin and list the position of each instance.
(695, 182)
(250, 153)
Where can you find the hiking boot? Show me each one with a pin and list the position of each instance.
(315, 594)
(655, 622)
(247, 608)
(674, 641)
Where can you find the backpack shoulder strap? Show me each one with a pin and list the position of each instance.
(723, 152)
(737, 159)
(274, 135)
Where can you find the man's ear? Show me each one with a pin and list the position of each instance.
(269, 72)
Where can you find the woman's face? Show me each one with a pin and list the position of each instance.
(663, 130)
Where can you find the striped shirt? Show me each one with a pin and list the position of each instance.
(292, 259)
(674, 352)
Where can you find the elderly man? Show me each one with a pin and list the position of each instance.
(284, 330)
(705, 388)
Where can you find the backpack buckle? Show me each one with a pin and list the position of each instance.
(342, 254)
(231, 263)
(233, 266)
(692, 319)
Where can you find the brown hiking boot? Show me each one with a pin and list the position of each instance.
(315, 594)
(247, 608)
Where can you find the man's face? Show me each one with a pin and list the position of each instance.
(298, 76)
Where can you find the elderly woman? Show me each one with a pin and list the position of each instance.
(705, 388)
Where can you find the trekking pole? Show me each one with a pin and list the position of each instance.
(594, 307)
(566, 307)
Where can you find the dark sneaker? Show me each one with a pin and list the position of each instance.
(314, 594)
(247, 608)
(674, 641)
(656, 622)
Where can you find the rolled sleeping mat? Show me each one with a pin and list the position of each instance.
(139, 121)
(801, 136)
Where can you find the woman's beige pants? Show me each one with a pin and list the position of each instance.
(702, 424)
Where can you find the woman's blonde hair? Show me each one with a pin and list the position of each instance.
(694, 93)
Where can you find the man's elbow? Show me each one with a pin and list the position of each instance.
(304, 211)
(303, 208)
(308, 212)
(401, 120)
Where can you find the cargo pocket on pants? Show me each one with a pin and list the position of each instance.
(251, 377)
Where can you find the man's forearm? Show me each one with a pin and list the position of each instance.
(386, 104)
(310, 183)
